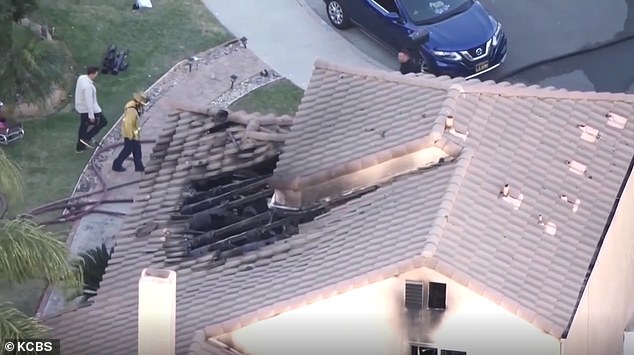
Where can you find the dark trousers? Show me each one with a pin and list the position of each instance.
(88, 129)
(130, 146)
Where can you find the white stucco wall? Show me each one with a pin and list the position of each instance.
(607, 303)
(478, 326)
(372, 321)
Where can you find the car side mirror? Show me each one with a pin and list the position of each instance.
(419, 38)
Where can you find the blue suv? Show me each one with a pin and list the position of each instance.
(455, 37)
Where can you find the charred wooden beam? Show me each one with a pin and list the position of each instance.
(290, 221)
(206, 185)
(204, 220)
(236, 228)
(260, 230)
(222, 193)
(210, 187)
(215, 218)
(221, 127)
(268, 192)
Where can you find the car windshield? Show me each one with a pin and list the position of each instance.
(429, 11)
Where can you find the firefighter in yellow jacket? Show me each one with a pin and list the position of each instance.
(131, 131)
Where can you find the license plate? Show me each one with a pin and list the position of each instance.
(480, 67)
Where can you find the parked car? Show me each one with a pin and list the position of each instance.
(454, 37)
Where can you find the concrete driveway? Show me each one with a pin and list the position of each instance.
(287, 36)
(541, 29)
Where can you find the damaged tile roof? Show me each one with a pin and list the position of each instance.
(527, 137)
(362, 111)
(557, 150)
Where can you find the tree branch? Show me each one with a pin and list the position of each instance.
(10, 179)
(17, 325)
(28, 252)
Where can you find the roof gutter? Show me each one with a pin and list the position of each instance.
(599, 245)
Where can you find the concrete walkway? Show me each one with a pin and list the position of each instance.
(287, 35)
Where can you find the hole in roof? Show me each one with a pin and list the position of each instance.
(572, 202)
(576, 167)
(229, 215)
(221, 121)
(589, 134)
(514, 199)
(615, 120)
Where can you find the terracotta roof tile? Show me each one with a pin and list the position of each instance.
(345, 114)
(159, 194)
(517, 135)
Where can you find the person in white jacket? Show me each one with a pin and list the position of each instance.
(91, 118)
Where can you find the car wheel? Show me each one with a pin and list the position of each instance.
(423, 67)
(337, 14)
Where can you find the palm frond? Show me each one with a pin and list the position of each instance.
(30, 67)
(17, 325)
(95, 262)
(10, 179)
(28, 251)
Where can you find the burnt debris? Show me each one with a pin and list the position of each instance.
(228, 215)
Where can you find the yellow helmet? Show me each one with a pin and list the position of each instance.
(141, 98)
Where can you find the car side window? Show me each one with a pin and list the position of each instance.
(389, 5)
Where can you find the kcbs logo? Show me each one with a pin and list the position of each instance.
(28, 346)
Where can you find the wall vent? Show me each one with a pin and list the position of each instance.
(451, 128)
(588, 133)
(550, 228)
(507, 196)
(576, 167)
(414, 295)
(437, 296)
(572, 202)
(422, 349)
(616, 121)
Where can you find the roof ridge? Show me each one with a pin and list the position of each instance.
(297, 181)
(201, 344)
(449, 197)
(420, 80)
(447, 108)
(508, 89)
(475, 86)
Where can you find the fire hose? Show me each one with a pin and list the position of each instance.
(589, 49)
(72, 203)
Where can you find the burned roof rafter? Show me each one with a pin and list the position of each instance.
(232, 218)
(287, 221)
(221, 193)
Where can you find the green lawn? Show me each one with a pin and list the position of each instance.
(157, 39)
(281, 97)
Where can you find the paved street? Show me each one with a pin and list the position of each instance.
(539, 30)
(609, 69)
